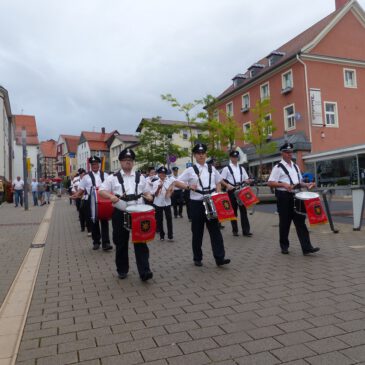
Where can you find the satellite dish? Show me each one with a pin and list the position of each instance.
(243, 156)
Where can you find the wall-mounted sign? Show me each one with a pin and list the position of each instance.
(316, 106)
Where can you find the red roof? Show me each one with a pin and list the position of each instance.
(29, 123)
(49, 148)
(98, 141)
(98, 146)
(71, 142)
(289, 49)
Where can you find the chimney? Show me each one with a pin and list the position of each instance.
(340, 3)
(103, 130)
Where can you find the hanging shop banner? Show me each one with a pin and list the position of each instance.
(316, 106)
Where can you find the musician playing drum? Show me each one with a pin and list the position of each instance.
(129, 184)
(236, 175)
(284, 176)
(203, 181)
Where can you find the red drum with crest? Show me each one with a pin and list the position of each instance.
(223, 207)
(140, 220)
(308, 203)
(246, 197)
(101, 208)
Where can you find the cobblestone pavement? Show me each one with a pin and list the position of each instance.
(17, 230)
(263, 308)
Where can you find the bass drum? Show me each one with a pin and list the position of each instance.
(101, 208)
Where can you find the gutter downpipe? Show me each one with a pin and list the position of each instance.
(307, 94)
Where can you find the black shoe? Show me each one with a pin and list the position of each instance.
(235, 234)
(107, 247)
(122, 275)
(311, 250)
(221, 226)
(248, 234)
(96, 246)
(285, 252)
(175, 216)
(198, 263)
(147, 276)
(222, 262)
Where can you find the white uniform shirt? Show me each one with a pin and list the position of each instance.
(112, 185)
(86, 182)
(161, 200)
(149, 182)
(190, 177)
(75, 184)
(18, 185)
(226, 174)
(278, 174)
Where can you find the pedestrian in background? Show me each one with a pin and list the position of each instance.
(47, 191)
(18, 187)
(35, 192)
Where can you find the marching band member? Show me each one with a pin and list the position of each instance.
(284, 176)
(162, 190)
(127, 183)
(203, 180)
(94, 179)
(177, 199)
(236, 175)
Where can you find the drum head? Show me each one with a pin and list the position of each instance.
(121, 205)
(139, 208)
(306, 195)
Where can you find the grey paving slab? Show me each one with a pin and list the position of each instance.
(17, 230)
(264, 308)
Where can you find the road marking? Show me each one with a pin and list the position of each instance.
(14, 310)
(359, 246)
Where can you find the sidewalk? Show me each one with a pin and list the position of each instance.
(17, 229)
(263, 308)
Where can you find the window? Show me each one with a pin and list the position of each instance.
(289, 117)
(246, 129)
(269, 127)
(287, 80)
(331, 116)
(186, 150)
(185, 134)
(229, 109)
(265, 91)
(350, 78)
(245, 102)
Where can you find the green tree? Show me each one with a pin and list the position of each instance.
(186, 109)
(260, 131)
(155, 143)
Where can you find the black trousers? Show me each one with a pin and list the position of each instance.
(159, 220)
(287, 214)
(177, 202)
(199, 220)
(100, 231)
(78, 204)
(245, 224)
(121, 239)
(186, 196)
(83, 209)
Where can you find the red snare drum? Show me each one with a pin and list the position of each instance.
(223, 207)
(311, 205)
(101, 208)
(140, 219)
(246, 197)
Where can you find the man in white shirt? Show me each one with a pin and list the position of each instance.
(162, 190)
(236, 175)
(35, 192)
(18, 187)
(284, 177)
(128, 185)
(203, 180)
(93, 180)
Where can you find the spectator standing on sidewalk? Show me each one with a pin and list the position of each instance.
(40, 189)
(35, 192)
(47, 191)
(18, 187)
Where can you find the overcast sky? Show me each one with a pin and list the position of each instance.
(84, 64)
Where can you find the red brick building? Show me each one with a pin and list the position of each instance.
(316, 85)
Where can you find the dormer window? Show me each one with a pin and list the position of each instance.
(239, 79)
(274, 57)
(255, 69)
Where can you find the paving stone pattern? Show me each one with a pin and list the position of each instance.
(264, 308)
(17, 230)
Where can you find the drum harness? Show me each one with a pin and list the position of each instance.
(128, 197)
(237, 185)
(210, 210)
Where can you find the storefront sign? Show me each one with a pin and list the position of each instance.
(316, 106)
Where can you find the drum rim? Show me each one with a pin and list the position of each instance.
(128, 209)
(306, 195)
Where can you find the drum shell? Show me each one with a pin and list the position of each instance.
(223, 207)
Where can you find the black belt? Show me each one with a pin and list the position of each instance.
(204, 192)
